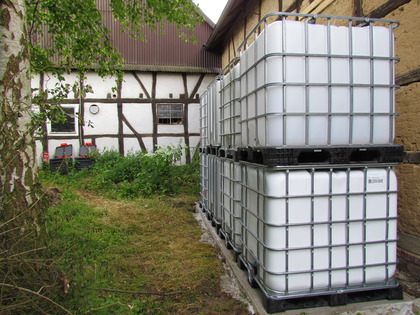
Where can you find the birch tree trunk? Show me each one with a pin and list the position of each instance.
(18, 179)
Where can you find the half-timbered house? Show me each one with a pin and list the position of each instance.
(156, 104)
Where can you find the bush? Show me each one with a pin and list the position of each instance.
(137, 174)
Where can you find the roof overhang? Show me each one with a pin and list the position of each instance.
(233, 10)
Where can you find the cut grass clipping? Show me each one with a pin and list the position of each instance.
(137, 255)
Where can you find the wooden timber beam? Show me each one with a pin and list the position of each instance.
(408, 77)
(386, 8)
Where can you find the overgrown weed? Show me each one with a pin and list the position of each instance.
(130, 245)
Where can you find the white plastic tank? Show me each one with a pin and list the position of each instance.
(230, 109)
(204, 181)
(319, 230)
(312, 84)
(214, 166)
(231, 201)
(204, 120)
(214, 102)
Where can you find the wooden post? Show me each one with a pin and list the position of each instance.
(357, 8)
(386, 8)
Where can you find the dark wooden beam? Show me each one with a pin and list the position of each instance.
(292, 7)
(386, 8)
(114, 136)
(408, 77)
(138, 136)
(412, 157)
(154, 111)
(82, 110)
(141, 84)
(357, 8)
(185, 121)
(120, 116)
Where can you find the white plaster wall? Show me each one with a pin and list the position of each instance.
(35, 83)
(107, 144)
(206, 82)
(131, 87)
(194, 118)
(50, 82)
(140, 116)
(104, 122)
(192, 80)
(194, 141)
(169, 83)
(170, 128)
(101, 86)
(131, 145)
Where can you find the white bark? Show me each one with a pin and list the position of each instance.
(16, 143)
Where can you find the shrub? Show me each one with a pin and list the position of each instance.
(137, 174)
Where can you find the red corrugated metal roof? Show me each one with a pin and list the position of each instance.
(165, 51)
(162, 51)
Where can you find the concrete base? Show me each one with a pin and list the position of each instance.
(407, 306)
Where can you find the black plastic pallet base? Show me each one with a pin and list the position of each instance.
(272, 156)
(210, 149)
(281, 305)
(60, 165)
(83, 162)
(231, 154)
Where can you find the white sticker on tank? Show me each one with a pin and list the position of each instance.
(376, 180)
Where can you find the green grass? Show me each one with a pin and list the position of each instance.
(109, 247)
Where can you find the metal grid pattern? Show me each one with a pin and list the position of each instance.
(230, 129)
(230, 192)
(214, 100)
(322, 229)
(204, 181)
(204, 107)
(299, 87)
(214, 189)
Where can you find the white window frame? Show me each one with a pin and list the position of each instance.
(170, 104)
(76, 122)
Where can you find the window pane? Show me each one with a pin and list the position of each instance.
(170, 114)
(67, 126)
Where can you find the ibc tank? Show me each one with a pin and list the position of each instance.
(230, 131)
(204, 120)
(231, 201)
(204, 181)
(214, 102)
(312, 84)
(214, 188)
(324, 229)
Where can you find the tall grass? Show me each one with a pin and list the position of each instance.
(127, 242)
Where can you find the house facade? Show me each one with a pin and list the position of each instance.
(155, 105)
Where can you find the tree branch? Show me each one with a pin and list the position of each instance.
(36, 294)
(137, 292)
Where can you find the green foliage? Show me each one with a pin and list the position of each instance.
(78, 39)
(137, 174)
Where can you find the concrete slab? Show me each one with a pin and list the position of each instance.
(407, 306)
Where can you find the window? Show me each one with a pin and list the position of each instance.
(169, 114)
(69, 126)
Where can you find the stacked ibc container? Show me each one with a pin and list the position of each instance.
(209, 148)
(306, 192)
